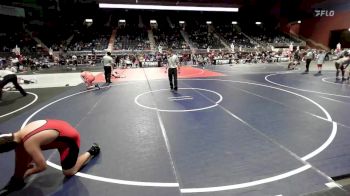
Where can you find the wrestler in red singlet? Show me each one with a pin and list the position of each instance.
(67, 142)
(31, 140)
(88, 78)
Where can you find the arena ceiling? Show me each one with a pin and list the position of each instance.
(248, 9)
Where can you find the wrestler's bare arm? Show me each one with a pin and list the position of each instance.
(38, 158)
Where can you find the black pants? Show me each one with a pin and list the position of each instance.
(108, 71)
(308, 61)
(172, 74)
(75, 63)
(11, 78)
(341, 68)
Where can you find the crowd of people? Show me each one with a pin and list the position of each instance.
(131, 37)
(169, 38)
(135, 40)
(233, 35)
(202, 37)
(340, 57)
(268, 36)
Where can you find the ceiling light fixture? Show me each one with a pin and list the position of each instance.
(167, 7)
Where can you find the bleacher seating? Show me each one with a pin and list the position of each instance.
(201, 38)
(131, 37)
(169, 37)
(267, 36)
(233, 35)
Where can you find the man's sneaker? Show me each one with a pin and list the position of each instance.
(94, 150)
(97, 86)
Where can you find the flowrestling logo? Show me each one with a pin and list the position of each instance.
(323, 12)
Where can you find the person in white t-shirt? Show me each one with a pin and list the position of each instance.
(107, 62)
(75, 60)
(338, 48)
(309, 56)
(320, 59)
(173, 68)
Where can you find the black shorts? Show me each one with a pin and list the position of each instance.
(69, 152)
(337, 65)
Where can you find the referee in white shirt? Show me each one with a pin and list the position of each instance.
(108, 62)
(7, 76)
(308, 58)
(173, 67)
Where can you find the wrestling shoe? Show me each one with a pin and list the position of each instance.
(14, 184)
(94, 150)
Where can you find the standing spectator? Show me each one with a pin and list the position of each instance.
(338, 49)
(200, 60)
(320, 59)
(75, 60)
(193, 59)
(172, 67)
(107, 62)
(15, 63)
(2, 63)
(117, 61)
(159, 59)
(6, 77)
(141, 60)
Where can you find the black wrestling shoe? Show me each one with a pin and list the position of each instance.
(14, 184)
(94, 150)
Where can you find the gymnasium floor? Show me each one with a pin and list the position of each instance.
(245, 130)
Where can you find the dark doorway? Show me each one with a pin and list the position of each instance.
(340, 36)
